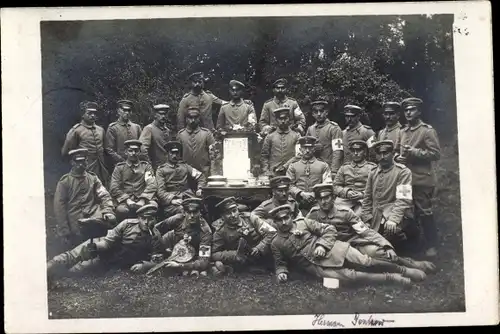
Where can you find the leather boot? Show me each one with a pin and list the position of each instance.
(416, 275)
(372, 278)
(426, 266)
(430, 234)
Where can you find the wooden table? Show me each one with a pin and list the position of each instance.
(250, 196)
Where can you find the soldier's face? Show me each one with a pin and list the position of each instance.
(283, 122)
(358, 154)
(161, 117)
(79, 165)
(412, 114)
(384, 156)
(351, 120)
(325, 202)
(193, 120)
(390, 117)
(147, 222)
(90, 116)
(174, 156)
(231, 215)
(192, 215)
(281, 194)
(235, 92)
(133, 153)
(284, 223)
(197, 84)
(307, 151)
(319, 113)
(124, 114)
(279, 91)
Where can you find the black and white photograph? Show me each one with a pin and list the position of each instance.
(314, 164)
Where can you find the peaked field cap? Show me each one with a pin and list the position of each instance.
(161, 106)
(78, 154)
(352, 109)
(280, 211)
(89, 105)
(132, 143)
(173, 146)
(358, 144)
(280, 182)
(236, 83)
(196, 76)
(383, 143)
(411, 102)
(307, 141)
(323, 189)
(280, 82)
(125, 104)
(319, 102)
(281, 110)
(193, 110)
(391, 105)
(192, 202)
(226, 204)
(148, 209)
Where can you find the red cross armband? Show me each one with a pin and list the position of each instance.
(404, 191)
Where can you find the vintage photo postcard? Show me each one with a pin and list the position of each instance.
(249, 167)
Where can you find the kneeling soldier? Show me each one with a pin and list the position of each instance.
(188, 225)
(133, 183)
(240, 239)
(133, 244)
(313, 247)
(350, 228)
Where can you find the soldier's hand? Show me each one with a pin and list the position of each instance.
(89, 251)
(255, 252)
(109, 217)
(391, 254)
(173, 264)
(357, 195)
(319, 252)
(176, 201)
(198, 192)
(390, 227)
(400, 159)
(130, 203)
(141, 203)
(137, 268)
(282, 278)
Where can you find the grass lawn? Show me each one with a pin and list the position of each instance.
(122, 294)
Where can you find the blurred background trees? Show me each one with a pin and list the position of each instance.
(364, 60)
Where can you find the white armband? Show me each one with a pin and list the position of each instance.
(404, 191)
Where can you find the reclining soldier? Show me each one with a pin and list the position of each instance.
(133, 244)
(350, 228)
(313, 247)
(240, 239)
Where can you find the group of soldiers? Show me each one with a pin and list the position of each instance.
(344, 204)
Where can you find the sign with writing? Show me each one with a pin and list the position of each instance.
(236, 164)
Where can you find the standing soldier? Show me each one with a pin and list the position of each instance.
(329, 136)
(355, 130)
(90, 136)
(196, 142)
(155, 136)
(190, 223)
(267, 120)
(392, 130)
(240, 239)
(279, 146)
(350, 182)
(175, 179)
(387, 203)
(82, 206)
(307, 172)
(120, 131)
(280, 187)
(133, 182)
(197, 97)
(237, 112)
(419, 148)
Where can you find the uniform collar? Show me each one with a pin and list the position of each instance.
(357, 126)
(319, 126)
(330, 214)
(124, 123)
(278, 101)
(88, 126)
(193, 93)
(233, 103)
(413, 128)
(310, 161)
(283, 132)
(385, 170)
(361, 164)
(132, 165)
(79, 176)
(394, 127)
(190, 131)
(155, 123)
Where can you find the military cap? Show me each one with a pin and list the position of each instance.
(358, 144)
(307, 141)
(280, 82)
(173, 146)
(236, 83)
(281, 111)
(148, 210)
(383, 143)
(280, 211)
(391, 106)
(132, 143)
(323, 189)
(78, 154)
(192, 203)
(193, 110)
(88, 105)
(125, 104)
(351, 109)
(226, 204)
(319, 102)
(280, 182)
(158, 107)
(411, 102)
(196, 76)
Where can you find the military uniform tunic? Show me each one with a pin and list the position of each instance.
(174, 180)
(92, 139)
(277, 149)
(351, 176)
(116, 136)
(133, 182)
(201, 236)
(393, 133)
(196, 147)
(267, 117)
(331, 150)
(204, 101)
(80, 196)
(307, 173)
(153, 139)
(359, 132)
(240, 113)
(262, 211)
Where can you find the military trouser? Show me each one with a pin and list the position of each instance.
(354, 205)
(97, 166)
(422, 198)
(243, 263)
(406, 237)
